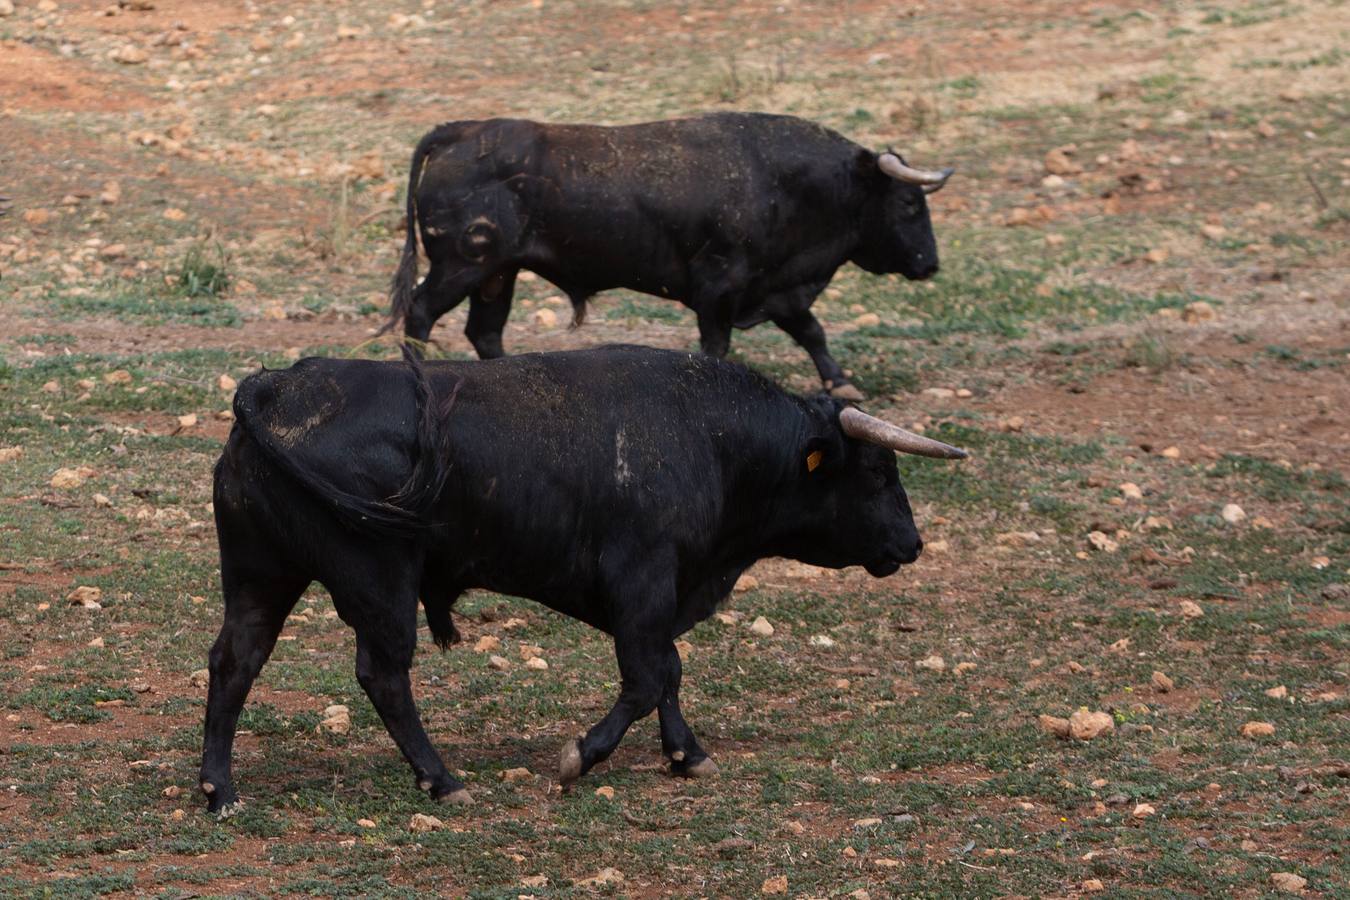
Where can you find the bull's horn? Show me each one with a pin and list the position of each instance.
(858, 424)
(931, 179)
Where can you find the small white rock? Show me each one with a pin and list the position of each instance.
(1233, 514)
(761, 627)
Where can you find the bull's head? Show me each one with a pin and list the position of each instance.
(897, 232)
(859, 512)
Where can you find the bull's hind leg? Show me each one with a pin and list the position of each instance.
(489, 307)
(678, 743)
(444, 288)
(255, 609)
(386, 636)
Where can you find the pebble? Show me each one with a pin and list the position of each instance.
(1258, 729)
(537, 663)
(1161, 683)
(1233, 514)
(337, 719)
(514, 776)
(932, 663)
(500, 663)
(1143, 811)
(1288, 882)
(421, 823)
(761, 627)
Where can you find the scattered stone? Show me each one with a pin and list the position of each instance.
(200, 678)
(420, 823)
(86, 596)
(189, 420)
(337, 719)
(66, 479)
(606, 792)
(932, 663)
(1143, 811)
(260, 44)
(141, 687)
(538, 663)
(867, 320)
(534, 881)
(1157, 255)
(939, 393)
(366, 823)
(9, 454)
(97, 643)
(226, 383)
(886, 863)
(1233, 514)
(514, 776)
(684, 648)
(778, 884)
(1288, 882)
(1189, 609)
(1161, 683)
(761, 627)
(102, 501)
(6, 8)
(746, 583)
(1279, 692)
(500, 663)
(1085, 725)
(36, 217)
(1254, 730)
(1333, 591)
(1100, 541)
(545, 317)
(1093, 886)
(1213, 232)
(1058, 162)
(605, 876)
(117, 376)
(1054, 725)
(1130, 491)
(822, 640)
(1013, 423)
(1171, 453)
(963, 667)
(129, 55)
(487, 643)
(1157, 523)
(174, 214)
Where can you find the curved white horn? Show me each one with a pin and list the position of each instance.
(858, 424)
(893, 166)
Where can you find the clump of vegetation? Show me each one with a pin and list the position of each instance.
(202, 274)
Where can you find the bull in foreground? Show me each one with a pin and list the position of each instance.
(742, 217)
(625, 487)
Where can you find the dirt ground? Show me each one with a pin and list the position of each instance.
(1141, 329)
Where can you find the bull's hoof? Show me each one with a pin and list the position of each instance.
(848, 392)
(461, 797)
(700, 768)
(704, 768)
(569, 763)
(218, 798)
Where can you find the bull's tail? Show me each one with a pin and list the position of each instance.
(408, 510)
(405, 276)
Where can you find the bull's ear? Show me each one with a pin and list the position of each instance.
(865, 161)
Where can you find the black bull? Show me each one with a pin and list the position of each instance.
(743, 217)
(625, 487)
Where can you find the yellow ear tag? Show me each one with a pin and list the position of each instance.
(813, 460)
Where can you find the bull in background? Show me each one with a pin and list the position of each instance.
(743, 217)
(625, 487)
